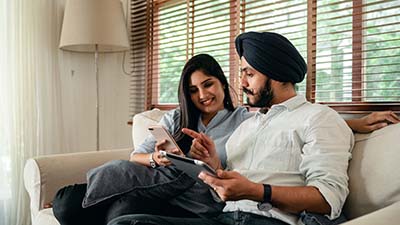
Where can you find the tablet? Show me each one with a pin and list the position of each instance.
(191, 167)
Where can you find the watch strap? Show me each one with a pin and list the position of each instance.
(266, 205)
(153, 163)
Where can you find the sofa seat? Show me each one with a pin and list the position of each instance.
(373, 171)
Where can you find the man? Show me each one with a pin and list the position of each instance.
(288, 162)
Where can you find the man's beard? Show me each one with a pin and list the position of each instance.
(265, 96)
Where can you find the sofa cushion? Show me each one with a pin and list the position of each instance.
(374, 175)
(45, 217)
(140, 123)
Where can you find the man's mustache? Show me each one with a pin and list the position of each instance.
(247, 91)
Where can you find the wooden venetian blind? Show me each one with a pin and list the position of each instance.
(138, 38)
(357, 54)
(288, 18)
(181, 29)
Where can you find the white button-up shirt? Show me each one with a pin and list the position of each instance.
(295, 143)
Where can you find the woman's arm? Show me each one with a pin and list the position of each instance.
(373, 121)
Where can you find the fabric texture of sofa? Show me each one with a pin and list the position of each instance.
(374, 180)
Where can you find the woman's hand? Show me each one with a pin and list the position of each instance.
(203, 148)
(161, 146)
(160, 159)
(373, 121)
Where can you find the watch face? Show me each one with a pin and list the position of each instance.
(152, 162)
(264, 206)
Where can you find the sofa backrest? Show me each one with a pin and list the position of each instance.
(141, 122)
(374, 171)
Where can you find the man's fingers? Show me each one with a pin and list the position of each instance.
(210, 180)
(393, 118)
(377, 126)
(388, 116)
(190, 132)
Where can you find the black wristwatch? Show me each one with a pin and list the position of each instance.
(265, 205)
(153, 163)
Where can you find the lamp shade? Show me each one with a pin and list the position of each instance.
(88, 23)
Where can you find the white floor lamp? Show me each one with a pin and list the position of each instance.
(94, 26)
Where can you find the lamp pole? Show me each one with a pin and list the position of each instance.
(96, 62)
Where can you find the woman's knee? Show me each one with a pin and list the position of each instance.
(67, 202)
(136, 219)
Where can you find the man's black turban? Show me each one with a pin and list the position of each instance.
(272, 55)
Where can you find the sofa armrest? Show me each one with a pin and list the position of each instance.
(389, 216)
(45, 175)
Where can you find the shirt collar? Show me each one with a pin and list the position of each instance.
(292, 103)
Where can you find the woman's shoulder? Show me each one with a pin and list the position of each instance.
(173, 114)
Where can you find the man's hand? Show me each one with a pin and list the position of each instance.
(231, 186)
(373, 121)
(203, 148)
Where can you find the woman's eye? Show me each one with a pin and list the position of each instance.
(249, 75)
(192, 91)
(208, 84)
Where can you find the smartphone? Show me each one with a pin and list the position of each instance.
(161, 133)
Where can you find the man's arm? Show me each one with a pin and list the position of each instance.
(373, 121)
(232, 186)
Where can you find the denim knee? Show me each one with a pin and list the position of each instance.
(67, 203)
(318, 219)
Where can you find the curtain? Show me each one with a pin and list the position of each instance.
(30, 97)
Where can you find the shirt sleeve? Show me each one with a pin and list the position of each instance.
(326, 153)
(170, 121)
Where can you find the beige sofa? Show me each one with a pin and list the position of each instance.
(374, 174)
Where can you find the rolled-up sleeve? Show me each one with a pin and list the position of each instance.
(326, 153)
(170, 120)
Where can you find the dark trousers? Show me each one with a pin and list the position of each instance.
(67, 207)
(129, 188)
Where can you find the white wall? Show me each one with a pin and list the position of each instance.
(78, 89)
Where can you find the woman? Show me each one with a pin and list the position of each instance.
(122, 187)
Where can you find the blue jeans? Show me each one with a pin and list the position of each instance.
(318, 219)
(230, 218)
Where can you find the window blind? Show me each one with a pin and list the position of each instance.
(182, 29)
(357, 53)
(138, 36)
(288, 18)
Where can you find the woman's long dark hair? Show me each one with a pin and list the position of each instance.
(189, 116)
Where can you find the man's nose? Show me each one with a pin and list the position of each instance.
(243, 81)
